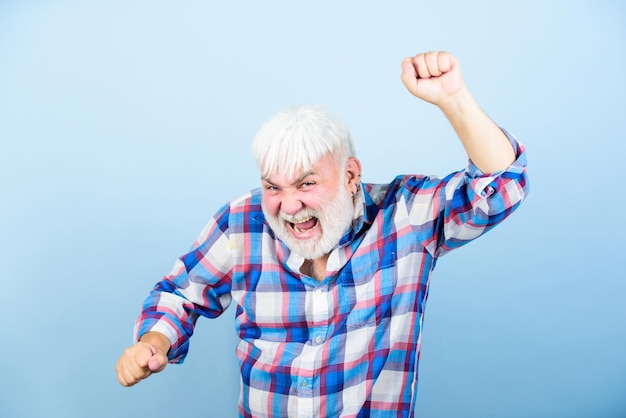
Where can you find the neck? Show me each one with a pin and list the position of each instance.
(315, 268)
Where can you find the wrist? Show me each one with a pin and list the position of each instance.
(157, 340)
(457, 104)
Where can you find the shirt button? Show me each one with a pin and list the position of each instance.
(303, 383)
(318, 340)
(318, 291)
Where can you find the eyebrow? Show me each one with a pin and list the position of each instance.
(298, 180)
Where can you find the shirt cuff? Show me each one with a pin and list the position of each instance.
(178, 346)
(517, 166)
(483, 184)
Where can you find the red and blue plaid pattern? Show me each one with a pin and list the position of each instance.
(347, 346)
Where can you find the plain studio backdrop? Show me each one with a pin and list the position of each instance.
(124, 125)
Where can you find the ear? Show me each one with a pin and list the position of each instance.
(353, 174)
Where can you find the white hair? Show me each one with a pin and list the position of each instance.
(298, 137)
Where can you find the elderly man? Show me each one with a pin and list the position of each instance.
(329, 274)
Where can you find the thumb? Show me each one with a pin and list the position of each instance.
(409, 74)
(157, 362)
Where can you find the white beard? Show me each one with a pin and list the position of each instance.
(334, 218)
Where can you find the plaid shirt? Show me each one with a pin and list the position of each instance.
(347, 346)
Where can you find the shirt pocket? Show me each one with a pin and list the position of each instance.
(367, 293)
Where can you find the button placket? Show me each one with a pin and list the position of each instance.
(320, 315)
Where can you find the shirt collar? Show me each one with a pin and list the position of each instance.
(364, 214)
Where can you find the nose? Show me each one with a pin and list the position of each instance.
(290, 204)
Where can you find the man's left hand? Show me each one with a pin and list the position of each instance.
(432, 76)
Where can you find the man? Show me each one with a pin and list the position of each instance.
(330, 275)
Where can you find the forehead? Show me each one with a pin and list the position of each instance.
(325, 167)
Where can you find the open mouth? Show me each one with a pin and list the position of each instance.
(305, 225)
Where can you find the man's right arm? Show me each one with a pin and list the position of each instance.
(194, 287)
(147, 356)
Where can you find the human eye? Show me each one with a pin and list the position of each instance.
(307, 184)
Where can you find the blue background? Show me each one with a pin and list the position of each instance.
(124, 125)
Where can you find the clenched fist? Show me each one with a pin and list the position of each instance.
(432, 76)
(142, 359)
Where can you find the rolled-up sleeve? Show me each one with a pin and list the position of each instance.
(475, 201)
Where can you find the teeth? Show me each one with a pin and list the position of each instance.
(299, 221)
